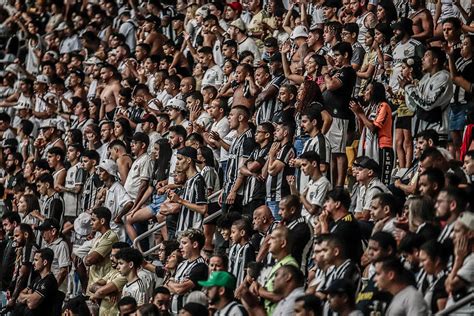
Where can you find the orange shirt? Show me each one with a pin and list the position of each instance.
(383, 121)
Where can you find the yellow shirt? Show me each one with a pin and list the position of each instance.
(288, 260)
(103, 246)
(107, 307)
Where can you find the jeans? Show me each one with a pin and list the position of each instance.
(274, 207)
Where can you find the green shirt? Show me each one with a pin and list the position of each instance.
(288, 260)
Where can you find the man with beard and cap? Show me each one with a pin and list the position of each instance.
(220, 293)
(406, 47)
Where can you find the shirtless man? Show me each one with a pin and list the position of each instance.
(149, 34)
(118, 153)
(422, 21)
(109, 96)
(242, 94)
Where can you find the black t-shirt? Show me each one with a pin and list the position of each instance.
(348, 229)
(368, 294)
(337, 101)
(47, 287)
(299, 234)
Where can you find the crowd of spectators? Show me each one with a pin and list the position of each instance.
(294, 157)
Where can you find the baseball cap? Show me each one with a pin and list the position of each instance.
(189, 152)
(149, 118)
(10, 143)
(299, 31)
(366, 163)
(48, 224)
(179, 16)
(109, 166)
(340, 286)
(239, 24)
(62, 26)
(176, 104)
(42, 79)
(92, 61)
(236, 6)
(202, 11)
(467, 219)
(13, 68)
(220, 278)
(82, 224)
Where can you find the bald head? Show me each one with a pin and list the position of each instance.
(262, 218)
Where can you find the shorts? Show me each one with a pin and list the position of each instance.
(337, 135)
(404, 122)
(457, 116)
(211, 209)
(156, 203)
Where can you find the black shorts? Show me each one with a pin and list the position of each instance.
(211, 209)
(404, 122)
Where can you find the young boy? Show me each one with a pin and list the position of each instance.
(129, 260)
(242, 251)
(75, 178)
(55, 159)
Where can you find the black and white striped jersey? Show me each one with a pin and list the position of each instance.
(277, 187)
(195, 192)
(241, 147)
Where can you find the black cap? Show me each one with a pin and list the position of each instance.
(341, 286)
(10, 143)
(48, 224)
(178, 16)
(275, 57)
(367, 163)
(189, 152)
(404, 24)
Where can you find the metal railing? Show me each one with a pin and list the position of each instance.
(211, 198)
(459, 304)
(145, 235)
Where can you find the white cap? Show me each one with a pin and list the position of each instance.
(238, 23)
(82, 224)
(299, 31)
(176, 103)
(62, 26)
(42, 79)
(109, 166)
(467, 219)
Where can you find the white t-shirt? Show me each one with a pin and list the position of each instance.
(316, 193)
(213, 77)
(115, 199)
(228, 139)
(74, 176)
(408, 301)
(222, 128)
(141, 169)
(250, 45)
